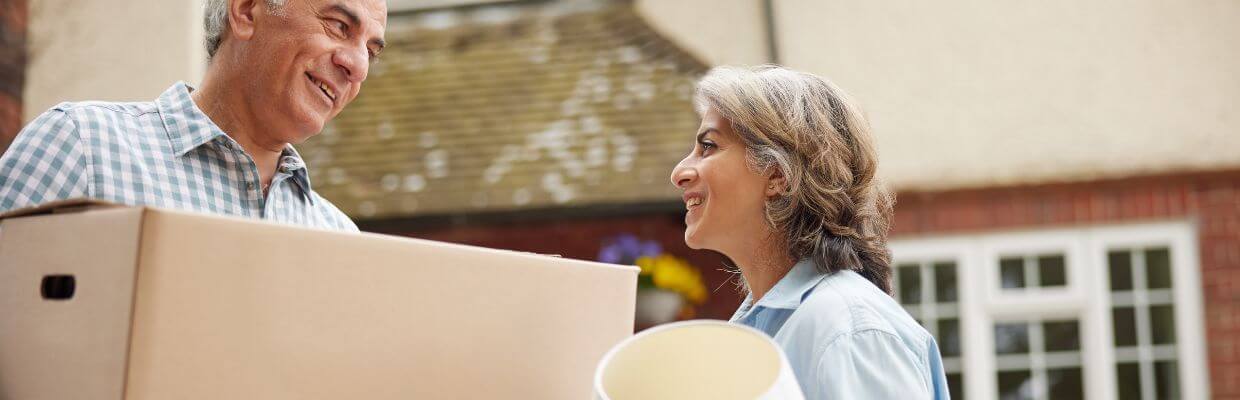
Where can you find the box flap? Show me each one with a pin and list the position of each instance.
(66, 302)
(59, 206)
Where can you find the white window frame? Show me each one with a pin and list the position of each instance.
(1086, 296)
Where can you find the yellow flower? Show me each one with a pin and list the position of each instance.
(646, 264)
(674, 274)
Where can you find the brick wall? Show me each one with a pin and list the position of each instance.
(1212, 200)
(12, 68)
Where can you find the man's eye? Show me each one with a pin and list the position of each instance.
(340, 25)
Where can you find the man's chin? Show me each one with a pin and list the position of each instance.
(308, 126)
(300, 135)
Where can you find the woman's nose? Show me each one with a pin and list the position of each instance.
(683, 175)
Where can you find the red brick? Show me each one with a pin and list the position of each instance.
(1158, 203)
(10, 120)
(13, 15)
(1128, 208)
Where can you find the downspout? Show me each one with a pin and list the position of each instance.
(772, 44)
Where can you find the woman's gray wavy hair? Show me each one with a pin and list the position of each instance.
(215, 22)
(832, 209)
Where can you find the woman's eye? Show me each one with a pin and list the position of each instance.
(707, 146)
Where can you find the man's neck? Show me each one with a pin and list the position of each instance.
(228, 110)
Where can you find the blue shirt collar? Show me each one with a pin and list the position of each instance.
(189, 128)
(291, 163)
(789, 292)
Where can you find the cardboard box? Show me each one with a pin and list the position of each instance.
(176, 305)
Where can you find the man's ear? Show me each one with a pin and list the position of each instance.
(775, 183)
(241, 18)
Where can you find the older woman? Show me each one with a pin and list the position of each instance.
(782, 182)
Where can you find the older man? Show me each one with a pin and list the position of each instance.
(279, 70)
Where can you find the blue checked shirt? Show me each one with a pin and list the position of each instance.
(165, 153)
(846, 339)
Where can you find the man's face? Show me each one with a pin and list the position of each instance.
(309, 59)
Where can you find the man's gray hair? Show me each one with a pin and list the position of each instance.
(215, 22)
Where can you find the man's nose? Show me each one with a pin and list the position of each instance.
(355, 62)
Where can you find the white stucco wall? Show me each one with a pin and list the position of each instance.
(976, 93)
(716, 31)
(127, 50)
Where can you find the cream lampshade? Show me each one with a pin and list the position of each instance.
(702, 359)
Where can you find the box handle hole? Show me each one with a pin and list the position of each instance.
(58, 287)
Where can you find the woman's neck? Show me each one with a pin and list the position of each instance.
(763, 264)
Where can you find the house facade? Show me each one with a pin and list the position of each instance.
(1068, 216)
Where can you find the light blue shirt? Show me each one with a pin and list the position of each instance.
(164, 153)
(846, 339)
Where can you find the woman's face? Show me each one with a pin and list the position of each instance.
(724, 198)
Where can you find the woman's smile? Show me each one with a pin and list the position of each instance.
(693, 205)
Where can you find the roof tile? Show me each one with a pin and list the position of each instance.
(545, 108)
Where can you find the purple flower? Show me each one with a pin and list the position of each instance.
(627, 248)
(610, 255)
(651, 248)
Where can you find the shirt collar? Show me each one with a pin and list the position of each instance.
(789, 292)
(291, 163)
(187, 126)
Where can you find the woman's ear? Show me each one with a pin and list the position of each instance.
(241, 18)
(775, 183)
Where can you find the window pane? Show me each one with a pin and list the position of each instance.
(945, 282)
(1128, 376)
(1065, 383)
(955, 386)
(1012, 273)
(1125, 326)
(1012, 338)
(1121, 270)
(1166, 380)
(1062, 335)
(949, 337)
(910, 284)
(1158, 268)
(1051, 271)
(1162, 323)
(1015, 385)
